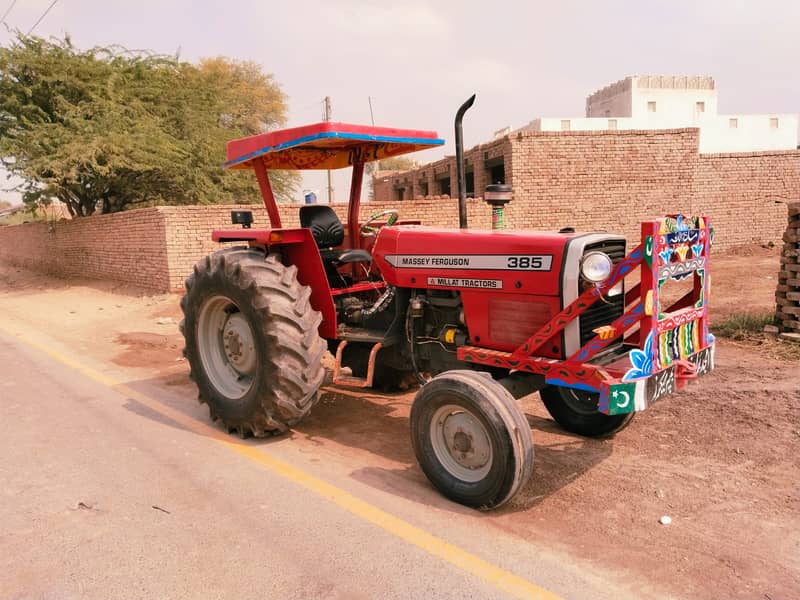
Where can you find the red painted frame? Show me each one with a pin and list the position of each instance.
(577, 371)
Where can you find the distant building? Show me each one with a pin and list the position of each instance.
(677, 101)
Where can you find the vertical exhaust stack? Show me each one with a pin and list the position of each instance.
(462, 182)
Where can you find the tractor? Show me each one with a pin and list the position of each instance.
(480, 318)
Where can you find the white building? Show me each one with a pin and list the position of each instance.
(674, 101)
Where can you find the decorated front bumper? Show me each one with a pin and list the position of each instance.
(631, 395)
(672, 344)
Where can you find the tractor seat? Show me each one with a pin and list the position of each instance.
(328, 232)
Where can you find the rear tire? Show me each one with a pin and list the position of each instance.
(252, 341)
(576, 411)
(471, 439)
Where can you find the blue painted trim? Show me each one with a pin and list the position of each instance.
(335, 134)
(577, 386)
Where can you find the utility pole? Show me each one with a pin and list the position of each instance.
(328, 118)
(377, 166)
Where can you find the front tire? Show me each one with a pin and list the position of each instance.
(576, 411)
(252, 341)
(471, 439)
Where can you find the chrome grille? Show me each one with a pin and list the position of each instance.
(606, 310)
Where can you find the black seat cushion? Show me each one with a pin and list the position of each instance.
(325, 226)
(354, 255)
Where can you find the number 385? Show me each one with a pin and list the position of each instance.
(524, 262)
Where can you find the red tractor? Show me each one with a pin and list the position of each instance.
(480, 318)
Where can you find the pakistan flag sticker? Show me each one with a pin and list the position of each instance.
(620, 398)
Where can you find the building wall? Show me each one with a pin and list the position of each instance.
(156, 248)
(717, 133)
(626, 102)
(126, 247)
(611, 180)
(593, 181)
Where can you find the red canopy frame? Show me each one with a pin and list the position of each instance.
(324, 146)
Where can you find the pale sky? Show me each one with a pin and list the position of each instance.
(419, 60)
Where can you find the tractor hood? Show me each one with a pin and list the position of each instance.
(521, 261)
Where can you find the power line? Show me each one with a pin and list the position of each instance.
(44, 14)
(8, 10)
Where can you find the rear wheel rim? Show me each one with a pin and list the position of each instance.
(227, 347)
(461, 443)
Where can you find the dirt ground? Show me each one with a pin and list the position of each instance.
(720, 458)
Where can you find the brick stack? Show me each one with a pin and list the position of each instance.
(787, 295)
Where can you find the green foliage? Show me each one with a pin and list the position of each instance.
(741, 326)
(109, 129)
(396, 163)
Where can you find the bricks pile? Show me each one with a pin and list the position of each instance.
(787, 295)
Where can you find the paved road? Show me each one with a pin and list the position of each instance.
(113, 491)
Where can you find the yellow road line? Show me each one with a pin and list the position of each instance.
(458, 557)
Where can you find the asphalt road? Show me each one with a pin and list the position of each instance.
(116, 490)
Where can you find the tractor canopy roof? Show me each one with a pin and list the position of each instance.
(326, 145)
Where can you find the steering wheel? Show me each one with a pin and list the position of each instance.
(368, 231)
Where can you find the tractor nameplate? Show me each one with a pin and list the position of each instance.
(486, 262)
(484, 284)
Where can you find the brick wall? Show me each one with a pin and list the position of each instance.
(787, 293)
(125, 247)
(590, 180)
(188, 228)
(612, 180)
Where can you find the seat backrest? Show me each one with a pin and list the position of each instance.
(325, 226)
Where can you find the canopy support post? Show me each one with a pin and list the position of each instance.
(355, 203)
(266, 193)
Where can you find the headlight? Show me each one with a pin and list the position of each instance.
(596, 266)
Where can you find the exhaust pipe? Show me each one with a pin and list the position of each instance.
(462, 182)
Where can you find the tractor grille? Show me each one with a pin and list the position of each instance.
(603, 313)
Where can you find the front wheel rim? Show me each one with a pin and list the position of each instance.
(580, 402)
(461, 443)
(227, 347)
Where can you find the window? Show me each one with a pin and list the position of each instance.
(423, 188)
(773, 123)
(497, 174)
(469, 180)
(733, 123)
(399, 193)
(612, 123)
(444, 186)
(700, 106)
(565, 125)
(651, 106)
(495, 170)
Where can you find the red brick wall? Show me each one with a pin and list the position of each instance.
(612, 180)
(188, 228)
(125, 247)
(590, 180)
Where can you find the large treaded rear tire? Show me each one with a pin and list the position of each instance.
(279, 327)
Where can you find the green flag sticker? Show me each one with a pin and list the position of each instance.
(621, 398)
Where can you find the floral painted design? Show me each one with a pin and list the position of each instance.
(642, 361)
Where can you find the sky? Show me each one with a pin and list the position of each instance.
(418, 61)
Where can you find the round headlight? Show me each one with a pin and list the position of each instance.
(596, 266)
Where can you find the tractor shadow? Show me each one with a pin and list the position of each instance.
(378, 424)
(373, 427)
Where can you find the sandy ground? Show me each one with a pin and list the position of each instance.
(720, 458)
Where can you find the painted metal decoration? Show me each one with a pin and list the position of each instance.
(672, 344)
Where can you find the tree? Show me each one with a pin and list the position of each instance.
(393, 163)
(109, 129)
(396, 163)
